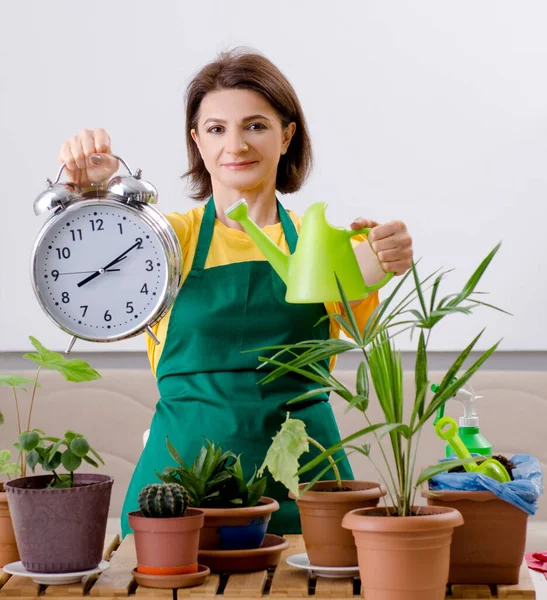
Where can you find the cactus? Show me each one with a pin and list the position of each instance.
(163, 500)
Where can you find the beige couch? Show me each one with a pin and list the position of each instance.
(115, 411)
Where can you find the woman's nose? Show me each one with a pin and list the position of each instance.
(235, 143)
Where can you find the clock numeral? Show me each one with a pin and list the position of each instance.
(63, 252)
(129, 307)
(55, 274)
(85, 307)
(76, 234)
(139, 240)
(96, 224)
(121, 228)
(150, 265)
(65, 298)
(144, 289)
(107, 316)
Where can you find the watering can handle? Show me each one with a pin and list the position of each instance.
(452, 437)
(387, 276)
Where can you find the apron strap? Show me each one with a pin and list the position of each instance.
(206, 234)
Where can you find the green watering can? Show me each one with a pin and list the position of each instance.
(490, 467)
(321, 252)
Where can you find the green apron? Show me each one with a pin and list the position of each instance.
(209, 387)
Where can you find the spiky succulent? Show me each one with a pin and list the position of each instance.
(163, 500)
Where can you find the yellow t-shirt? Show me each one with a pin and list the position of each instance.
(230, 246)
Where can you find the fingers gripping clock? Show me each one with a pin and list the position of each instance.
(107, 264)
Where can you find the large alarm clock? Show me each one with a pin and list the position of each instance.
(107, 264)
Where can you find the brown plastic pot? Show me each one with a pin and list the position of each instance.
(60, 530)
(490, 546)
(236, 528)
(403, 557)
(167, 546)
(8, 545)
(328, 544)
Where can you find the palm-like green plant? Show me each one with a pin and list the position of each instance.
(382, 364)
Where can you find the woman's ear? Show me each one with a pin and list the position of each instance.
(195, 138)
(287, 133)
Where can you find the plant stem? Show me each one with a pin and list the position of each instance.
(331, 460)
(17, 409)
(33, 394)
(384, 482)
(21, 453)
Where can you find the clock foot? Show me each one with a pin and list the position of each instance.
(152, 335)
(71, 344)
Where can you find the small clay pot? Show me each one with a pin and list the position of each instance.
(403, 557)
(8, 545)
(321, 510)
(167, 546)
(236, 528)
(60, 530)
(490, 546)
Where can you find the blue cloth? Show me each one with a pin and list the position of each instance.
(523, 492)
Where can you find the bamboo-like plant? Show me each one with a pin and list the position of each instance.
(382, 364)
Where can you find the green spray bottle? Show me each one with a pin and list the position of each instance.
(468, 429)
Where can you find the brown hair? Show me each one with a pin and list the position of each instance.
(243, 69)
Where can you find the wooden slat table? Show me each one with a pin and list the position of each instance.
(281, 582)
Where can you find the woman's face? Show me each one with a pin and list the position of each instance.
(240, 138)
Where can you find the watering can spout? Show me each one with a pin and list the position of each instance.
(274, 255)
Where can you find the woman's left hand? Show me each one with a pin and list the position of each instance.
(391, 243)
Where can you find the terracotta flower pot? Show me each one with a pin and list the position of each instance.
(167, 546)
(60, 530)
(236, 528)
(8, 545)
(490, 546)
(328, 544)
(403, 557)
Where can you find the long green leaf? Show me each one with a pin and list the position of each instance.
(353, 328)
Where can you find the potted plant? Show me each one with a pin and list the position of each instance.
(489, 547)
(59, 519)
(74, 370)
(321, 504)
(166, 533)
(403, 549)
(236, 512)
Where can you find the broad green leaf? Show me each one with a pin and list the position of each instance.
(72, 370)
(54, 449)
(282, 457)
(29, 440)
(33, 458)
(79, 446)
(5, 456)
(96, 455)
(9, 469)
(17, 382)
(70, 461)
(51, 465)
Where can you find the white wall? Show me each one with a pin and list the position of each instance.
(430, 112)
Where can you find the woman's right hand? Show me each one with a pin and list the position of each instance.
(86, 158)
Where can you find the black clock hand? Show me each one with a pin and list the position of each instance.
(118, 259)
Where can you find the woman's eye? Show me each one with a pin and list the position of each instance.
(215, 129)
(257, 126)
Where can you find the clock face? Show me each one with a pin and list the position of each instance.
(100, 270)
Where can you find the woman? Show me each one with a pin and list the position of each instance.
(246, 137)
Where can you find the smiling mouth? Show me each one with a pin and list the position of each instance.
(239, 165)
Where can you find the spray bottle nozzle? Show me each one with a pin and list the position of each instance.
(467, 397)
